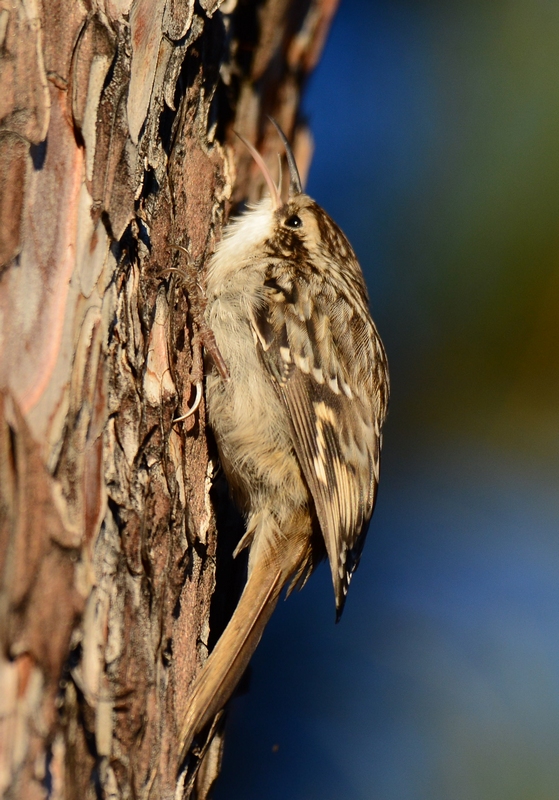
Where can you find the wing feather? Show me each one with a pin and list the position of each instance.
(335, 410)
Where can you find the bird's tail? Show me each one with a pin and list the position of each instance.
(273, 560)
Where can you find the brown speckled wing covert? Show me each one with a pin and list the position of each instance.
(336, 412)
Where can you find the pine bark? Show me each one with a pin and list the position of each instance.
(116, 145)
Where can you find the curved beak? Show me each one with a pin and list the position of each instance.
(276, 200)
(294, 179)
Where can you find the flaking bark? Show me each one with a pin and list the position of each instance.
(116, 143)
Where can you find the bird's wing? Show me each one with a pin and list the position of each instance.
(305, 336)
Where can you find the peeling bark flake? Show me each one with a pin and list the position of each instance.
(146, 19)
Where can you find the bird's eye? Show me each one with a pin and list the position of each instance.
(293, 221)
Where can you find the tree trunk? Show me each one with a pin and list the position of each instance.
(116, 143)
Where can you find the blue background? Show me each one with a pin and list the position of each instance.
(436, 127)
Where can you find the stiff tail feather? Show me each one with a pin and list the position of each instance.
(274, 559)
(230, 657)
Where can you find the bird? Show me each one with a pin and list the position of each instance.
(297, 414)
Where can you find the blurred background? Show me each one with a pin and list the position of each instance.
(437, 151)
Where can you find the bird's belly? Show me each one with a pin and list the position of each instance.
(250, 422)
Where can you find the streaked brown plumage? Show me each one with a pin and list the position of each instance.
(298, 424)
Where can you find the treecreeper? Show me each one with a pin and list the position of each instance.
(297, 414)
